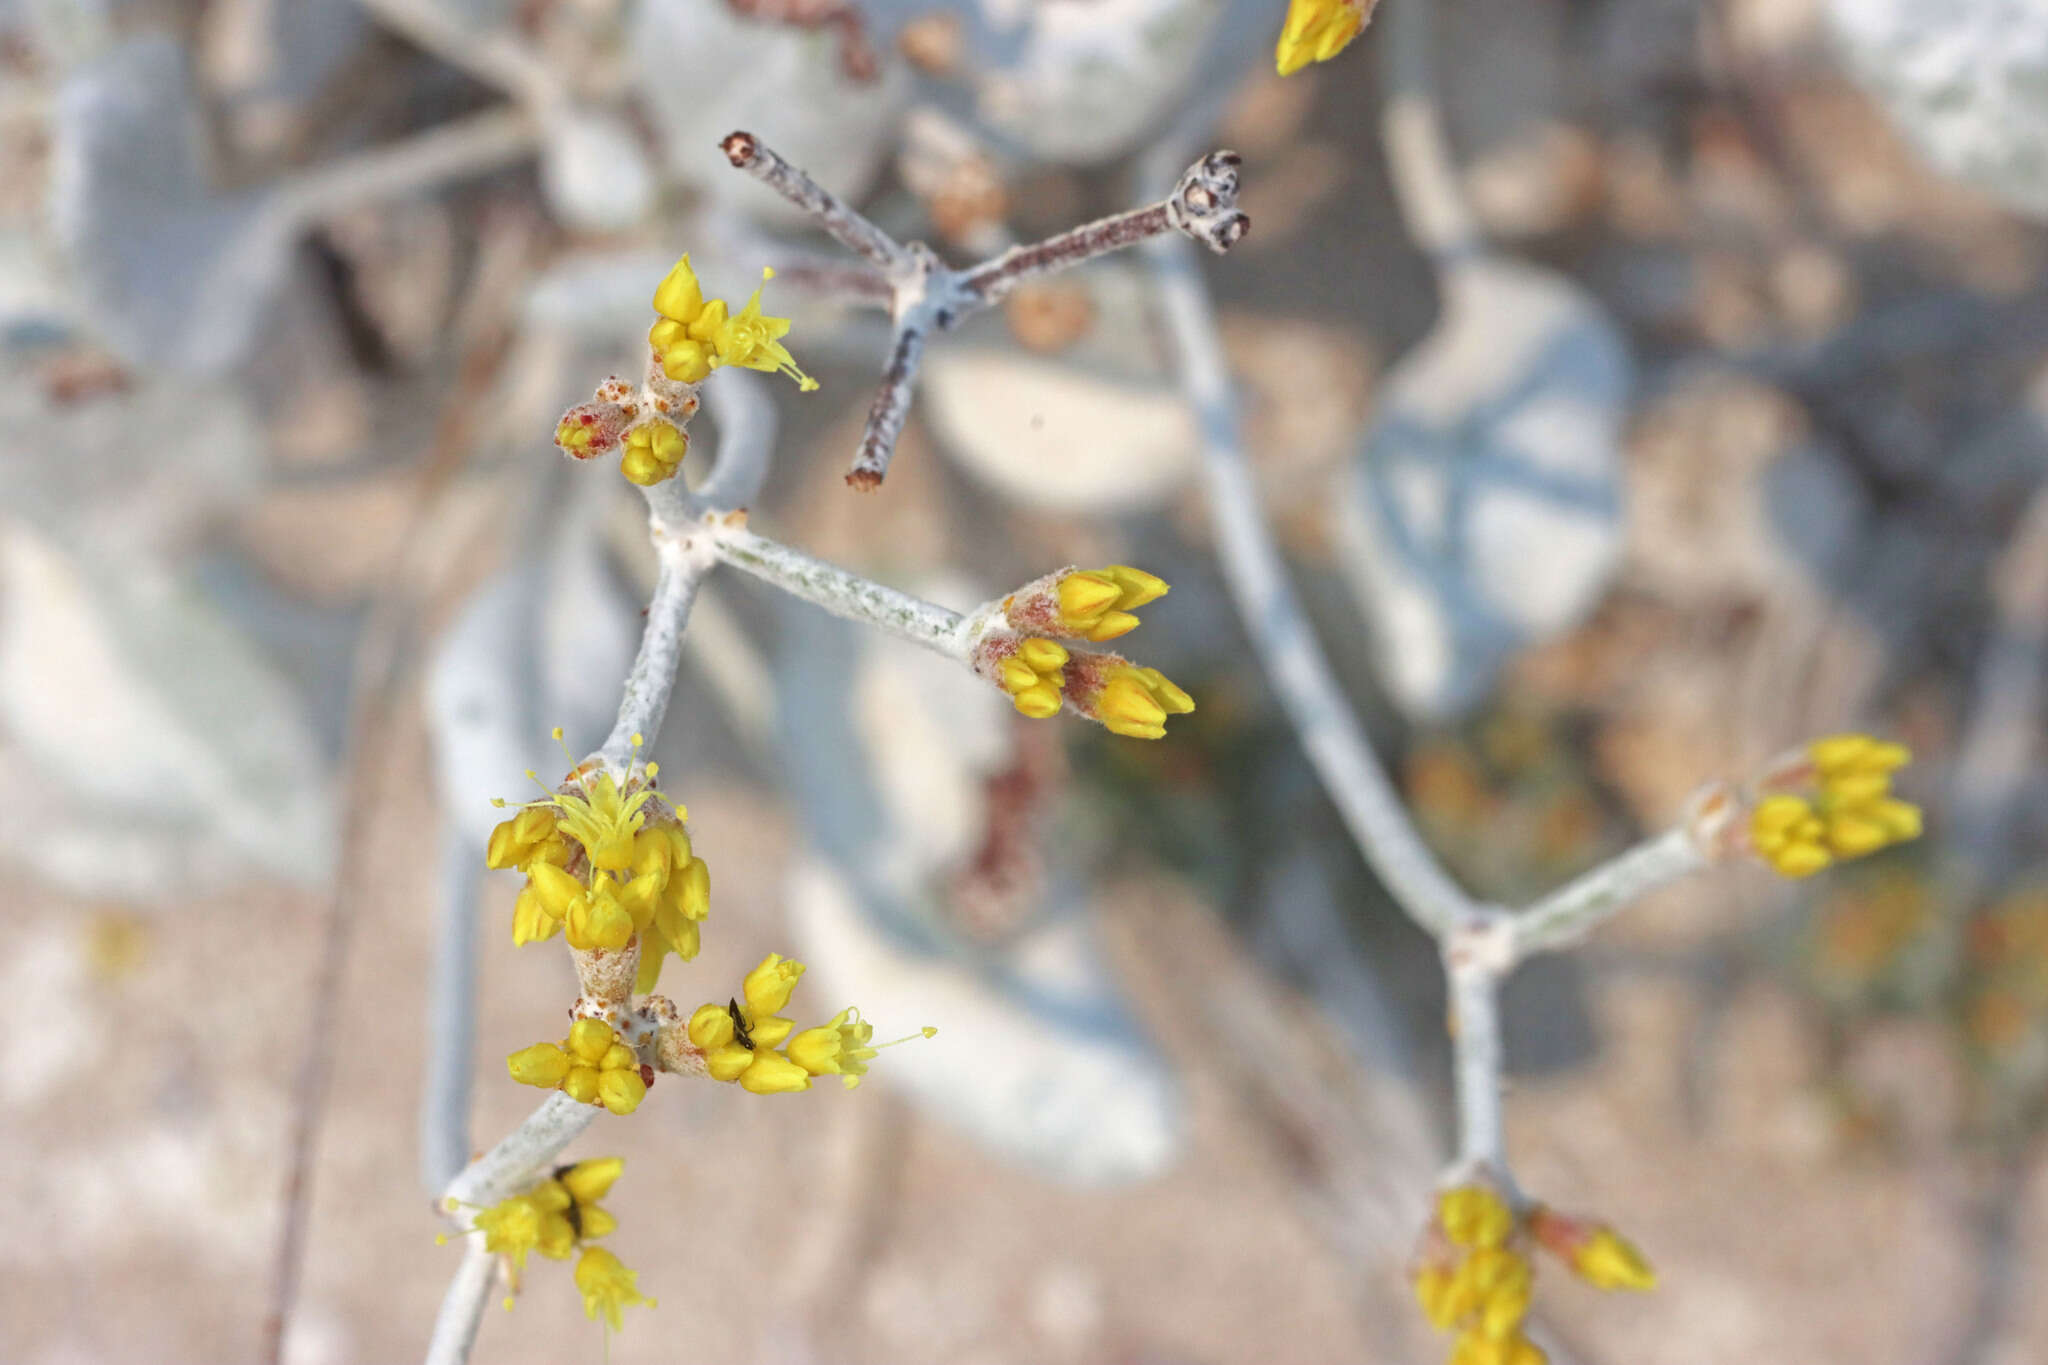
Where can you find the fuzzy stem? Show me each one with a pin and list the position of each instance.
(684, 562)
(1476, 1045)
(451, 1017)
(466, 147)
(924, 296)
(1572, 910)
(493, 54)
(845, 593)
(994, 279)
(1279, 629)
(520, 1156)
(889, 411)
(846, 224)
(1411, 127)
(745, 416)
(462, 1308)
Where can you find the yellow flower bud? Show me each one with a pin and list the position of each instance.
(590, 1039)
(728, 1063)
(710, 1027)
(580, 1084)
(621, 1091)
(679, 296)
(774, 1074)
(1317, 30)
(543, 1064)
(1607, 1260)
(686, 361)
(1474, 1216)
(589, 1181)
(768, 987)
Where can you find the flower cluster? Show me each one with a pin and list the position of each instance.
(690, 338)
(1474, 1277)
(1849, 811)
(555, 1218)
(743, 1042)
(593, 1065)
(611, 863)
(1044, 677)
(1317, 30)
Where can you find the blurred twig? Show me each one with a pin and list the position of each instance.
(372, 704)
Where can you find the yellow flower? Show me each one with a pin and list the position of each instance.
(591, 1066)
(1097, 604)
(1607, 1260)
(1853, 812)
(554, 1215)
(1476, 1348)
(654, 452)
(1317, 30)
(511, 1228)
(1474, 1216)
(1135, 702)
(754, 342)
(695, 335)
(531, 921)
(768, 987)
(684, 902)
(528, 837)
(607, 1286)
(1033, 676)
(679, 297)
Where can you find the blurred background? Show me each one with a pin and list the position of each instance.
(1721, 427)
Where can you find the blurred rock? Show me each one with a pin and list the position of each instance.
(1484, 511)
(1966, 80)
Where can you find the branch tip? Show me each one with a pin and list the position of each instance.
(741, 149)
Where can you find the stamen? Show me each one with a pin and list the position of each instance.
(926, 1032)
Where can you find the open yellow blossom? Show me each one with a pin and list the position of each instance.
(1097, 604)
(754, 342)
(1033, 676)
(654, 452)
(591, 1066)
(842, 1047)
(1852, 813)
(1317, 30)
(528, 837)
(554, 1215)
(694, 335)
(606, 860)
(607, 1287)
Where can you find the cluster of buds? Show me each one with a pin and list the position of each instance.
(609, 865)
(1317, 30)
(1473, 1274)
(557, 1217)
(1019, 651)
(691, 337)
(743, 1040)
(1843, 806)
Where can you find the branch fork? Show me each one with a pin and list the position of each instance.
(925, 295)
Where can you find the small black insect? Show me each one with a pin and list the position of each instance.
(739, 1022)
(573, 1213)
